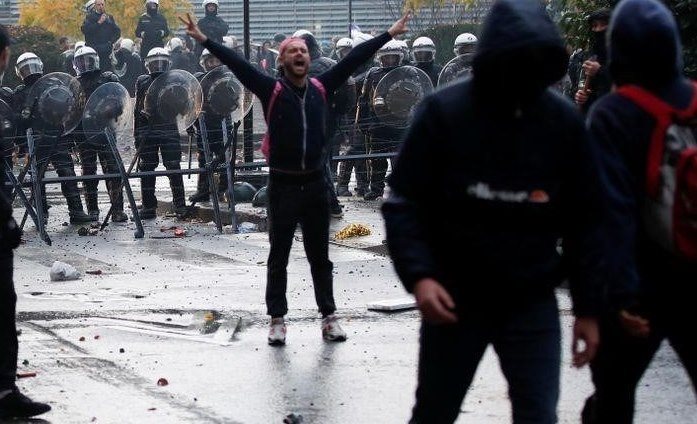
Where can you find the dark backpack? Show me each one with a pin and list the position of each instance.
(266, 141)
(670, 210)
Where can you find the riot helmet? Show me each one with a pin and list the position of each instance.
(79, 44)
(302, 32)
(85, 60)
(157, 60)
(360, 38)
(343, 47)
(208, 61)
(28, 64)
(390, 54)
(464, 43)
(174, 44)
(424, 50)
(230, 41)
(89, 6)
(206, 3)
(127, 44)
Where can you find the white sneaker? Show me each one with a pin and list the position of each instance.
(277, 332)
(331, 330)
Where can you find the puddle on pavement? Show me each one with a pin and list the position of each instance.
(168, 249)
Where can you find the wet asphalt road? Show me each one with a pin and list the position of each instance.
(190, 311)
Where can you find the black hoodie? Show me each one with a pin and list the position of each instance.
(510, 160)
(644, 49)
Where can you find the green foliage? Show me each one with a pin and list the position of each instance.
(444, 37)
(686, 13)
(38, 41)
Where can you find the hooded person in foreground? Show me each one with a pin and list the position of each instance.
(649, 281)
(512, 158)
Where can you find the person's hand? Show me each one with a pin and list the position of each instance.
(400, 27)
(192, 29)
(581, 97)
(434, 302)
(102, 18)
(591, 67)
(634, 324)
(586, 331)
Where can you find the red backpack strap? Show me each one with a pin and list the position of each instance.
(664, 114)
(319, 86)
(277, 88)
(690, 113)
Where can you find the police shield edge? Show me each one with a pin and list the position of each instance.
(398, 93)
(57, 101)
(174, 96)
(224, 95)
(8, 128)
(458, 67)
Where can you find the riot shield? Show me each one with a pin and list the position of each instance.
(458, 67)
(224, 95)
(7, 122)
(109, 106)
(174, 98)
(397, 94)
(56, 100)
(109, 111)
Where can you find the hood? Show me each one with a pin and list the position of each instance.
(644, 45)
(520, 51)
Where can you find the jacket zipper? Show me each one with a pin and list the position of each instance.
(302, 105)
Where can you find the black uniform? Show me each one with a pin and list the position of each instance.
(129, 67)
(214, 27)
(50, 147)
(95, 146)
(214, 134)
(431, 69)
(182, 59)
(152, 29)
(101, 37)
(357, 143)
(381, 138)
(151, 138)
(6, 147)
(67, 57)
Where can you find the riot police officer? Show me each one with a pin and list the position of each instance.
(465, 44)
(90, 147)
(50, 146)
(6, 144)
(154, 138)
(181, 58)
(128, 65)
(381, 138)
(424, 51)
(101, 32)
(211, 24)
(152, 28)
(214, 135)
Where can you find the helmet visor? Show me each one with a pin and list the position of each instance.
(85, 63)
(30, 66)
(157, 64)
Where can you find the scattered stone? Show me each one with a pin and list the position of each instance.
(82, 339)
(122, 350)
(162, 382)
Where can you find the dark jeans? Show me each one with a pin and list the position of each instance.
(356, 147)
(622, 359)
(8, 329)
(378, 166)
(292, 203)
(89, 151)
(171, 158)
(526, 338)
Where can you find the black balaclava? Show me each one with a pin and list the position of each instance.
(214, 12)
(151, 8)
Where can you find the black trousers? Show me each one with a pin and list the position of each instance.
(622, 359)
(378, 166)
(8, 329)
(171, 151)
(356, 147)
(526, 337)
(58, 154)
(90, 150)
(292, 203)
(218, 152)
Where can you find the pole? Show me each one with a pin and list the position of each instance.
(248, 141)
(350, 17)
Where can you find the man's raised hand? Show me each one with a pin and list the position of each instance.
(400, 27)
(192, 29)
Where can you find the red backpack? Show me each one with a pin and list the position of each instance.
(670, 211)
(266, 141)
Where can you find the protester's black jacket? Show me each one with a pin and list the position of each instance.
(152, 29)
(296, 147)
(645, 51)
(493, 174)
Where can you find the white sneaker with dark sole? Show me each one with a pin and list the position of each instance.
(331, 330)
(277, 332)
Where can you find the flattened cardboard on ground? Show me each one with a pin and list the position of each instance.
(393, 305)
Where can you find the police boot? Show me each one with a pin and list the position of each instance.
(116, 197)
(75, 211)
(92, 205)
(202, 192)
(176, 183)
(148, 210)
